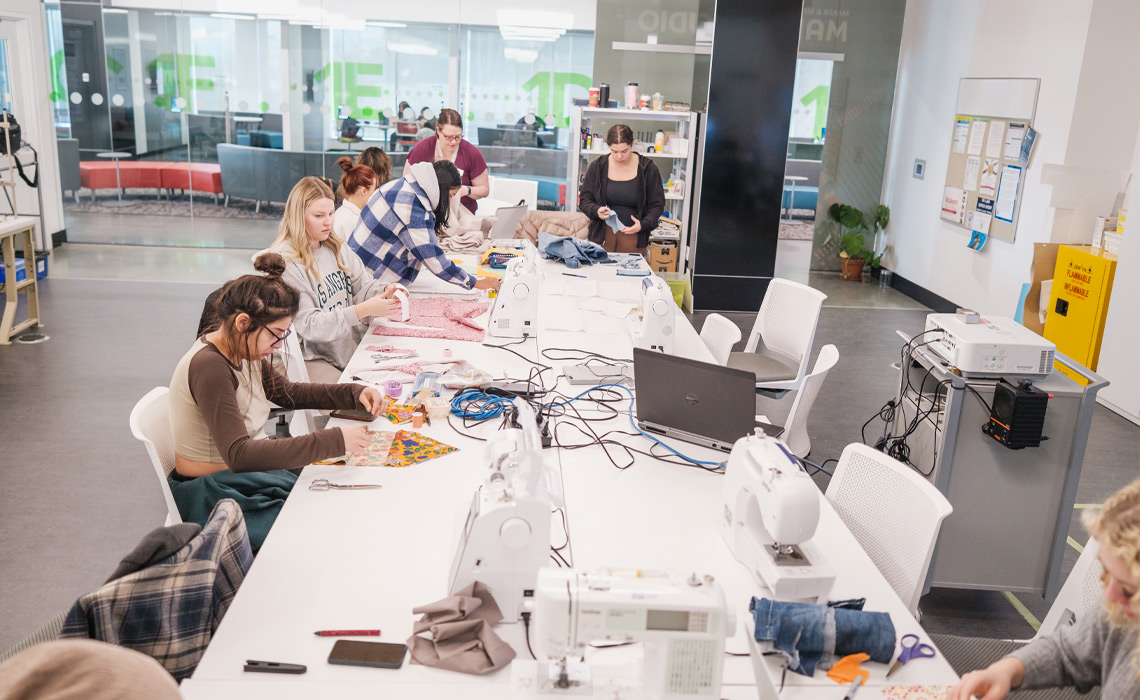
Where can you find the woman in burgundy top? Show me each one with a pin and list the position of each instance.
(449, 144)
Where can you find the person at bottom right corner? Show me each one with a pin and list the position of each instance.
(1101, 648)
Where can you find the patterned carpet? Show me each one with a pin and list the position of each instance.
(143, 202)
(800, 228)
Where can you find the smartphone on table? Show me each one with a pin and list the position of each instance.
(353, 414)
(347, 652)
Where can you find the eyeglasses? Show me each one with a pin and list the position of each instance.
(278, 339)
(452, 139)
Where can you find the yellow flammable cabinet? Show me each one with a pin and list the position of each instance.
(1078, 304)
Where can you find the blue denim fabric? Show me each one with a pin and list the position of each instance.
(571, 251)
(614, 222)
(810, 635)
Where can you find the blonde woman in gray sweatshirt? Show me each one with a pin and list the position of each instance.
(339, 296)
(1100, 648)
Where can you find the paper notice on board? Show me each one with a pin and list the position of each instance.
(980, 218)
(996, 140)
(954, 205)
(1013, 140)
(977, 137)
(988, 187)
(970, 181)
(1026, 147)
(961, 134)
(1007, 193)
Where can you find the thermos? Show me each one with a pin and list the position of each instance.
(604, 95)
(631, 95)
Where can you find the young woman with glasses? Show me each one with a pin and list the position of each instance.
(449, 144)
(219, 405)
(339, 296)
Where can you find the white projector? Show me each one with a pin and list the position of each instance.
(992, 347)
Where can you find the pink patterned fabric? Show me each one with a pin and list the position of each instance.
(389, 349)
(440, 318)
(409, 369)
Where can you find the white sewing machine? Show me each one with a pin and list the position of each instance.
(506, 538)
(681, 621)
(771, 509)
(515, 313)
(653, 328)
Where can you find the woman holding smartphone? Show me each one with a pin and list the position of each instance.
(219, 405)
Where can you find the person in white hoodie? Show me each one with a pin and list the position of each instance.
(339, 296)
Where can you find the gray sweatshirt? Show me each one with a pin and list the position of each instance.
(1092, 652)
(326, 321)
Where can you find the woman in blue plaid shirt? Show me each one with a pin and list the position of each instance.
(402, 222)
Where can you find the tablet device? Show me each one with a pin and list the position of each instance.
(347, 652)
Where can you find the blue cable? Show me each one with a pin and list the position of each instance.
(633, 422)
(476, 405)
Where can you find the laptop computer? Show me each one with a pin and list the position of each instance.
(698, 402)
(506, 221)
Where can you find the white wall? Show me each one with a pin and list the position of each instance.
(31, 106)
(1122, 329)
(943, 42)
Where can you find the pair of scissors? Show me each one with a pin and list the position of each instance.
(911, 649)
(325, 485)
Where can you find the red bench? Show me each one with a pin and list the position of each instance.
(200, 177)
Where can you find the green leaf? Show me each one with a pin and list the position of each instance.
(882, 216)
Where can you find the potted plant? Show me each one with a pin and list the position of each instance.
(853, 250)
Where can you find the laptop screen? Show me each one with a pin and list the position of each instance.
(698, 398)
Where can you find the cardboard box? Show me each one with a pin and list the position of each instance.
(662, 257)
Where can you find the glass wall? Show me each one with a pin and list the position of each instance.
(214, 115)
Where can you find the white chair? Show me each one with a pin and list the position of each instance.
(780, 342)
(1081, 592)
(150, 424)
(894, 513)
(719, 335)
(303, 422)
(795, 430)
(515, 190)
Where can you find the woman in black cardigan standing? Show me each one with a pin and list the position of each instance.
(626, 184)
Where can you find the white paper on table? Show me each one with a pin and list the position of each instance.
(988, 187)
(977, 137)
(571, 321)
(1013, 140)
(961, 133)
(613, 309)
(428, 285)
(1007, 193)
(555, 288)
(995, 140)
(620, 290)
(973, 166)
(581, 288)
(954, 205)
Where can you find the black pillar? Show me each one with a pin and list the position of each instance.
(746, 143)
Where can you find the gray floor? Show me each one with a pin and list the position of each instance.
(78, 490)
(111, 226)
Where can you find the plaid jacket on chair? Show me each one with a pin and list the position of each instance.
(170, 610)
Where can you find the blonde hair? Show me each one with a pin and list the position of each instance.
(1116, 528)
(295, 233)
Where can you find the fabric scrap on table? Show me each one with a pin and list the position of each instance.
(374, 454)
(808, 635)
(439, 317)
(847, 669)
(389, 349)
(572, 252)
(411, 448)
(461, 635)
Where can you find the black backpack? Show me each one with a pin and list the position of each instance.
(16, 140)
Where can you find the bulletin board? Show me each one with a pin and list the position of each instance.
(990, 146)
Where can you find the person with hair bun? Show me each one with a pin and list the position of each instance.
(219, 403)
(339, 296)
(373, 157)
(1102, 648)
(626, 184)
(401, 225)
(449, 144)
(357, 184)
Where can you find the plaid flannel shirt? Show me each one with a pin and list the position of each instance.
(170, 610)
(396, 236)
